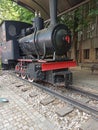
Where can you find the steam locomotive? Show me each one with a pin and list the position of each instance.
(38, 53)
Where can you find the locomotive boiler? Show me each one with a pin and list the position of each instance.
(55, 40)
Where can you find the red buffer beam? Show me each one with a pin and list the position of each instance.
(58, 65)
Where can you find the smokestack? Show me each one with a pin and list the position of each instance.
(53, 11)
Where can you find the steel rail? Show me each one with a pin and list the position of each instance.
(84, 92)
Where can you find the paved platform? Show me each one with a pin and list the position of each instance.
(19, 115)
(84, 78)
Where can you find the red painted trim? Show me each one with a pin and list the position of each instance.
(58, 65)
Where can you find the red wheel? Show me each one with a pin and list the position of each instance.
(17, 70)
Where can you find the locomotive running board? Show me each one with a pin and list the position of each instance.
(58, 65)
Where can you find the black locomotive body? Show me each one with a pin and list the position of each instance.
(40, 53)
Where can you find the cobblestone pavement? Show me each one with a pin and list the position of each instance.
(18, 114)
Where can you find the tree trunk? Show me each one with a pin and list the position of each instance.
(75, 36)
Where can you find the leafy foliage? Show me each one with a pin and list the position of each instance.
(84, 14)
(11, 11)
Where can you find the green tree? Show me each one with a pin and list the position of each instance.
(11, 11)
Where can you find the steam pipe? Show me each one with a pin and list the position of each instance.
(53, 11)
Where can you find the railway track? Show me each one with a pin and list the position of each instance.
(74, 102)
(84, 93)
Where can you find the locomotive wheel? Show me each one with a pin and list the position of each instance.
(30, 79)
(17, 74)
(17, 69)
(23, 75)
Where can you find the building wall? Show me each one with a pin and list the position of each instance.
(88, 44)
(88, 50)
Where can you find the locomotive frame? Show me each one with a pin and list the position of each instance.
(41, 70)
